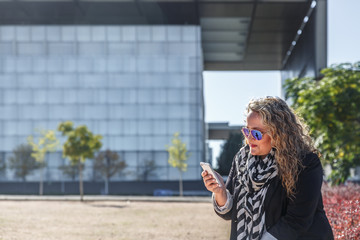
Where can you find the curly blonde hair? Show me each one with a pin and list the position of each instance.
(289, 136)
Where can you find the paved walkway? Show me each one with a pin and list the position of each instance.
(104, 198)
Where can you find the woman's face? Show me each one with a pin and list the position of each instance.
(258, 147)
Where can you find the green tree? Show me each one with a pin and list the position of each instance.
(178, 155)
(331, 108)
(46, 143)
(229, 149)
(108, 163)
(80, 145)
(22, 161)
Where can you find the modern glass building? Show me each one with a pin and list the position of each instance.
(131, 70)
(134, 85)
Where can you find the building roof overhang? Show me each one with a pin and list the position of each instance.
(236, 34)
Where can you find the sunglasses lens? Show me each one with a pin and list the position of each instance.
(256, 134)
(246, 131)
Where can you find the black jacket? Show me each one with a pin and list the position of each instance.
(298, 219)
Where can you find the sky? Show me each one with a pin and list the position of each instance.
(227, 93)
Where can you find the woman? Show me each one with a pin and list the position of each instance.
(274, 186)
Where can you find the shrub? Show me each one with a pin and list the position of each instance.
(342, 206)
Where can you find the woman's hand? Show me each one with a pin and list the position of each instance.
(211, 185)
(210, 182)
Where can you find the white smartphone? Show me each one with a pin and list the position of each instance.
(207, 167)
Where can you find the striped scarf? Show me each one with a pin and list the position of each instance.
(254, 175)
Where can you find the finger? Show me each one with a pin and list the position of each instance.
(204, 173)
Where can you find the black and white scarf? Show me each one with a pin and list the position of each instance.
(254, 175)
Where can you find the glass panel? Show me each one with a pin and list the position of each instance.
(145, 96)
(143, 33)
(38, 112)
(115, 112)
(84, 65)
(54, 65)
(158, 33)
(83, 33)
(130, 143)
(130, 158)
(7, 33)
(122, 48)
(129, 64)
(130, 96)
(9, 96)
(24, 96)
(160, 141)
(175, 96)
(161, 158)
(99, 65)
(70, 96)
(8, 112)
(63, 81)
(23, 65)
(53, 33)
(189, 34)
(70, 65)
(176, 111)
(6, 48)
(61, 49)
(128, 34)
(39, 65)
(10, 128)
(160, 127)
(9, 65)
(115, 127)
(113, 33)
(145, 143)
(92, 80)
(22, 33)
(175, 126)
(160, 96)
(98, 33)
(145, 127)
(115, 96)
(32, 81)
(130, 127)
(100, 96)
(7, 80)
(122, 80)
(25, 128)
(91, 49)
(68, 33)
(37, 33)
(54, 96)
(159, 65)
(114, 65)
(174, 33)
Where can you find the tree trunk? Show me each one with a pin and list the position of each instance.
(180, 185)
(81, 182)
(106, 186)
(41, 183)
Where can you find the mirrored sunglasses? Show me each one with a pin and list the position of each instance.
(256, 134)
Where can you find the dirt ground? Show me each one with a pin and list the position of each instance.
(103, 220)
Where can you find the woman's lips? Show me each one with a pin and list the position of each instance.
(253, 145)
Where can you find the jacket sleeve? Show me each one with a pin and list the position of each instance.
(230, 186)
(301, 209)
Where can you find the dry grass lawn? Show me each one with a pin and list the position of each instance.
(101, 220)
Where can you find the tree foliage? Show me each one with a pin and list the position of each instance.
(331, 108)
(47, 142)
(178, 156)
(22, 161)
(229, 149)
(108, 163)
(81, 144)
(146, 169)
